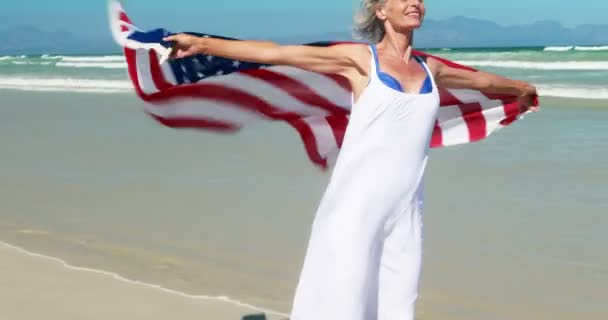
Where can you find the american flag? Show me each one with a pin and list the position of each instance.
(218, 94)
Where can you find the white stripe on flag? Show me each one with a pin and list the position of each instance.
(167, 71)
(470, 96)
(264, 90)
(321, 84)
(324, 135)
(452, 129)
(181, 108)
(493, 117)
(144, 75)
(492, 110)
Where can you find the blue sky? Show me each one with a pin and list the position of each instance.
(259, 18)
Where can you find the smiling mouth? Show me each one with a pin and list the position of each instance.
(413, 14)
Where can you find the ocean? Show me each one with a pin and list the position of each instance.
(514, 225)
(571, 72)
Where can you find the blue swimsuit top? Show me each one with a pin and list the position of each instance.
(391, 82)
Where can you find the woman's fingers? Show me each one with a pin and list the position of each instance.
(170, 38)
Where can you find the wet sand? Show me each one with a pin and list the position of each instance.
(39, 287)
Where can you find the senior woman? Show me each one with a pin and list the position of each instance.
(364, 255)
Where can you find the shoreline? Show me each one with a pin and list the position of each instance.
(129, 95)
(70, 283)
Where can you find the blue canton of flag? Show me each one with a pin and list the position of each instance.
(198, 67)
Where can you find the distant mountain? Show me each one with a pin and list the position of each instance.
(468, 32)
(453, 32)
(461, 32)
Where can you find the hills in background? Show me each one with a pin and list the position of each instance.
(455, 32)
(463, 32)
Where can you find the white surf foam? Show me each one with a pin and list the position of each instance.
(92, 59)
(43, 63)
(597, 48)
(563, 91)
(48, 56)
(557, 65)
(559, 49)
(5, 58)
(104, 65)
(65, 85)
(120, 278)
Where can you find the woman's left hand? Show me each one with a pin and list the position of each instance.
(528, 98)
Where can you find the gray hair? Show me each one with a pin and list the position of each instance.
(368, 26)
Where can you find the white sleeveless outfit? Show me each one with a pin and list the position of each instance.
(364, 255)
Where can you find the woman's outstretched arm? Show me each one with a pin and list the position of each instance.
(339, 59)
(454, 78)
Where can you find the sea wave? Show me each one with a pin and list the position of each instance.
(43, 63)
(12, 57)
(564, 91)
(559, 49)
(104, 65)
(597, 48)
(556, 65)
(91, 59)
(48, 56)
(65, 84)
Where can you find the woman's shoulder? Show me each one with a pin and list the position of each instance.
(357, 51)
(353, 47)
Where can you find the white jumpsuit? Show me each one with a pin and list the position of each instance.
(364, 254)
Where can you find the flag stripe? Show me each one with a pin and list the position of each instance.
(156, 72)
(296, 89)
(211, 110)
(324, 85)
(144, 74)
(196, 124)
(309, 140)
(265, 90)
(437, 137)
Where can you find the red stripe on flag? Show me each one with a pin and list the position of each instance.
(157, 74)
(192, 123)
(471, 114)
(338, 125)
(511, 111)
(340, 80)
(216, 92)
(123, 17)
(437, 137)
(310, 142)
(446, 98)
(132, 68)
(475, 120)
(295, 89)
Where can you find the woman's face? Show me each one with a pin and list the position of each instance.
(403, 14)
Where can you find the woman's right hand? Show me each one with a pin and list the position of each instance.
(184, 45)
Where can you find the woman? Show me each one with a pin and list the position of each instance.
(364, 254)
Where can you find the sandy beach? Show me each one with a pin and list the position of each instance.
(99, 185)
(39, 287)
(514, 225)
